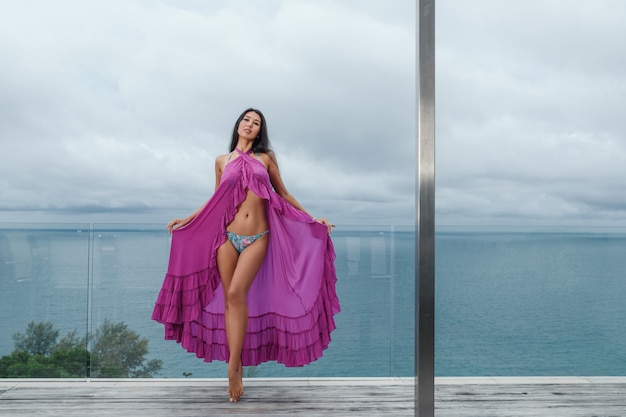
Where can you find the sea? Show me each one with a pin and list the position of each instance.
(508, 302)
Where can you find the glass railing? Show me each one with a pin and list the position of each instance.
(531, 301)
(76, 301)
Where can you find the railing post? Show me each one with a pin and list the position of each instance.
(425, 214)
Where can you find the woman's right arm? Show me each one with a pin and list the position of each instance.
(178, 223)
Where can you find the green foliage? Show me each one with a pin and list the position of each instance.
(120, 353)
(117, 352)
(39, 338)
(61, 364)
(70, 341)
(74, 361)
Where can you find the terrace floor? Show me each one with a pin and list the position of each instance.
(454, 397)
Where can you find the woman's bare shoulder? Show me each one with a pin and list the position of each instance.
(222, 158)
(268, 156)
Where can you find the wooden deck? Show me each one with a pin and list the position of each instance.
(455, 397)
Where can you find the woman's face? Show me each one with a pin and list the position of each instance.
(250, 126)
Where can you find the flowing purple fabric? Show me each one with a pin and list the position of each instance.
(292, 301)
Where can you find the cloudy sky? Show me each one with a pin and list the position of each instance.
(531, 119)
(115, 111)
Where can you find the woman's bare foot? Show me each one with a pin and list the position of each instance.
(235, 382)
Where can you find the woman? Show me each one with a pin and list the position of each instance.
(251, 276)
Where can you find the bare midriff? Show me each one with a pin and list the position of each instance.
(250, 218)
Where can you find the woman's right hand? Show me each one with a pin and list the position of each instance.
(177, 224)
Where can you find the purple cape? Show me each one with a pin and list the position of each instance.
(292, 300)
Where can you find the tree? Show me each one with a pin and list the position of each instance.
(70, 341)
(118, 352)
(72, 363)
(39, 339)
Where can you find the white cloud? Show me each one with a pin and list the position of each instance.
(529, 125)
(116, 110)
(121, 107)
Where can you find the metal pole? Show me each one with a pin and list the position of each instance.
(425, 212)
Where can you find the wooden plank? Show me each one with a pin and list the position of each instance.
(536, 399)
(312, 398)
(180, 398)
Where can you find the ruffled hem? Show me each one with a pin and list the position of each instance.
(287, 342)
(292, 341)
(181, 298)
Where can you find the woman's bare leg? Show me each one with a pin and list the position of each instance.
(236, 315)
(227, 257)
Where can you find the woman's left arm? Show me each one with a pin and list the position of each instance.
(281, 190)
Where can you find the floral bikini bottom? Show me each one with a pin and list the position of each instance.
(240, 242)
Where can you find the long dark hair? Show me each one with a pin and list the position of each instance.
(261, 143)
